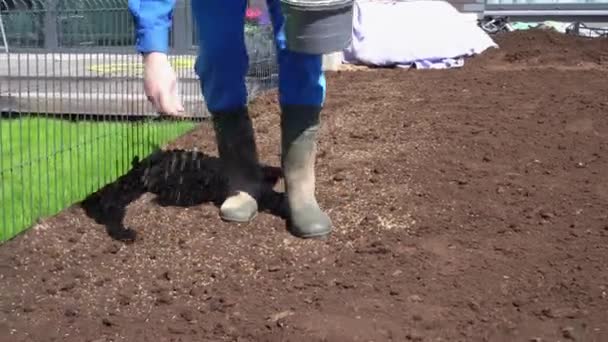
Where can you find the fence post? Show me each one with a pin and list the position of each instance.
(181, 36)
(4, 40)
(51, 38)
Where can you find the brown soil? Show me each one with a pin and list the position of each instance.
(544, 49)
(469, 205)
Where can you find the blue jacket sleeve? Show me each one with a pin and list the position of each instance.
(152, 19)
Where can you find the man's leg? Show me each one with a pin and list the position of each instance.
(302, 94)
(222, 66)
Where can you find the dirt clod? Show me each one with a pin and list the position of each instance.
(280, 315)
(415, 298)
(568, 332)
(164, 298)
(176, 330)
(107, 322)
(71, 312)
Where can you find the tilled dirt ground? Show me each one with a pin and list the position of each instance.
(469, 205)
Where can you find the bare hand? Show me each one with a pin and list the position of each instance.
(160, 84)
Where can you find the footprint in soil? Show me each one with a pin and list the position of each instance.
(177, 178)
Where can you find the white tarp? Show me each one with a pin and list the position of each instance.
(425, 34)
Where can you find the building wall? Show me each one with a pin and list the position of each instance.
(468, 6)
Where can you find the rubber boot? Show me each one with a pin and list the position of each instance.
(299, 126)
(239, 159)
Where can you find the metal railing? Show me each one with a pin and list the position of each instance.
(74, 116)
(548, 9)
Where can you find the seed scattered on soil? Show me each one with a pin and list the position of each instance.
(413, 255)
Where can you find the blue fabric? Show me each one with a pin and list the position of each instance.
(152, 20)
(222, 62)
(301, 77)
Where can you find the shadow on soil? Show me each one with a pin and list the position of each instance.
(177, 178)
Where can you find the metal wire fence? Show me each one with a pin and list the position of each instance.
(74, 114)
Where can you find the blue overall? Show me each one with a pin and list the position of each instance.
(223, 61)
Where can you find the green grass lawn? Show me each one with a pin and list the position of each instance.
(48, 164)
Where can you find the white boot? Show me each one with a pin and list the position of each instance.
(239, 159)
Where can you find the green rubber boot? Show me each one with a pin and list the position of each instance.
(299, 126)
(239, 159)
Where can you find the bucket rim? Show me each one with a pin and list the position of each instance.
(313, 5)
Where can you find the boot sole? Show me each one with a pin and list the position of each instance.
(319, 236)
(228, 219)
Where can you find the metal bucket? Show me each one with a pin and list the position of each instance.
(318, 26)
